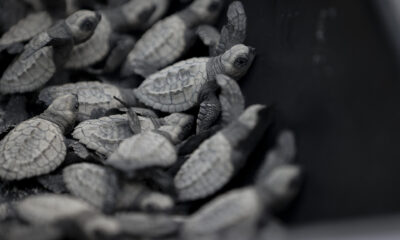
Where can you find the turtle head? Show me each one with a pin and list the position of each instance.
(280, 186)
(237, 60)
(63, 111)
(207, 10)
(82, 24)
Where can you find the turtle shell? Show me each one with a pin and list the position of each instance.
(33, 148)
(94, 98)
(160, 46)
(148, 149)
(48, 208)
(27, 28)
(105, 134)
(207, 170)
(94, 49)
(31, 73)
(176, 88)
(94, 184)
(225, 212)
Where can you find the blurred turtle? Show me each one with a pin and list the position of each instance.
(235, 214)
(37, 146)
(192, 83)
(130, 16)
(170, 38)
(47, 51)
(218, 158)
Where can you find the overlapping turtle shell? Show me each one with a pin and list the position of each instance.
(94, 49)
(160, 46)
(48, 208)
(105, 134)
(148, 149)
(207, 169)
(94, 97)
(175, 88)
(27, 28)
(93, 183)
(33, 148)
(31, 73)
(225, 213)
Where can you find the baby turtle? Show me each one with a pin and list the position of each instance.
(192, 83)
(104, 135)
(133, 15)
(47, 51)
(48, 208)
(169, 38)
(93, 183)
(235, 214)
(136, 196)
(95, 98)
(36, 146)
(218, 158)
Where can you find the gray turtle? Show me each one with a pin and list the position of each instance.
(93, 183)
(48, 208)
(133, 15)
(135, 195)
(235, 214)
(192, 83)
(95, 98)
(169, 38)
(104, 135)
(36, 146)
(47, 51)
(218, 158)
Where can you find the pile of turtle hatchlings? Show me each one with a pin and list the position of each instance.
(112, 130)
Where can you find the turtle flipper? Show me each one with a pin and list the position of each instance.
(209, 36)
(231, 98)
(210, 109)
(15, 48)
(133, 118)
(234, 32)
(118, 54)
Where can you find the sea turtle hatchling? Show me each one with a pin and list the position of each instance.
(93, 183)
(36, 146)
(218, 158)
(44, 53)
(169, 38)
(238, 212)
(95, 98)
(133, 15)
(192, 83)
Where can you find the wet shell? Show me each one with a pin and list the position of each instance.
(176, 88)
(225, 213)
(160, 46)
(104, 135)
(27, 28)
(47, 208)
(148, 149)
(33, 148)
(93, 97)
(207, 169)
(94, 49)
(137, 196)
(25, 75)
(92, 183)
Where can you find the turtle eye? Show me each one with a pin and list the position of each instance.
(87, 25)
(241, 62)
(213, 7)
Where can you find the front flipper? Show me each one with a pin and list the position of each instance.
(123, 45)
(234, 32)
(209, 36)
(133, 118)
(231, 99)
(210, 107)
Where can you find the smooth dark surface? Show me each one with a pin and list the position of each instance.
(328, 69)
